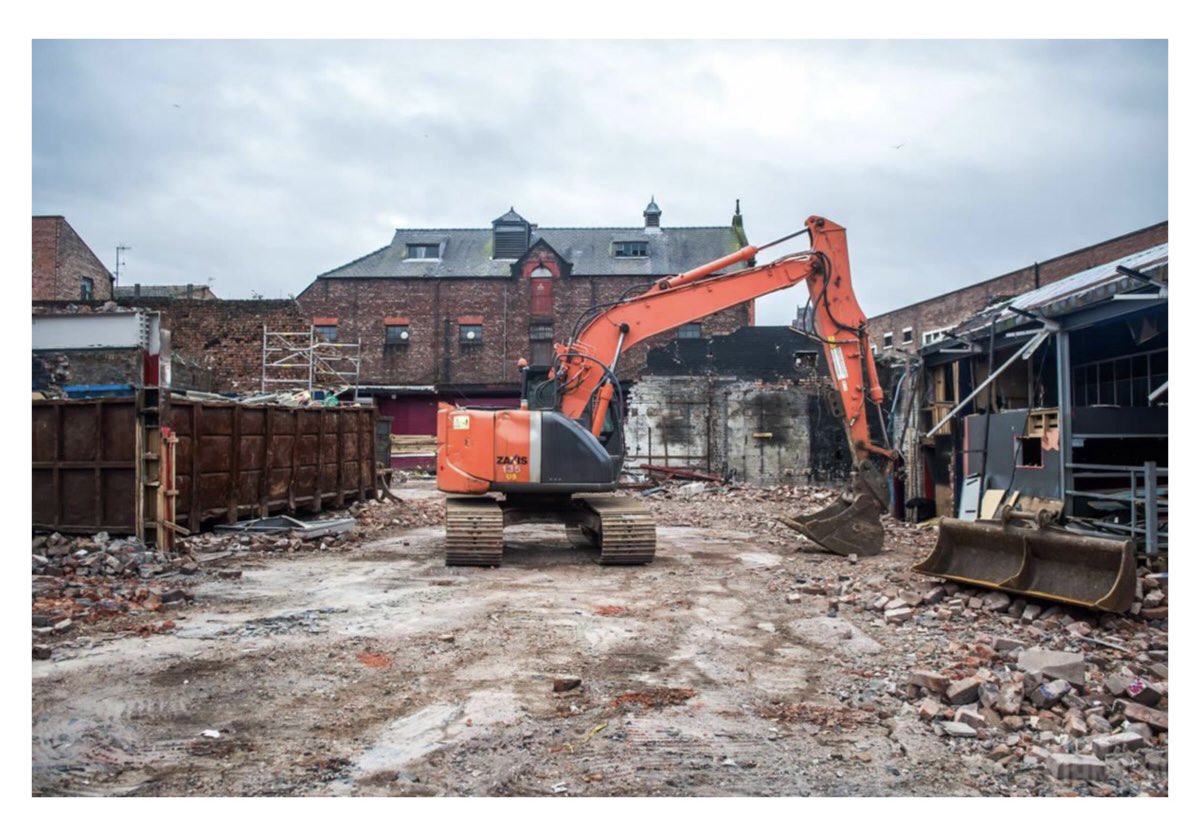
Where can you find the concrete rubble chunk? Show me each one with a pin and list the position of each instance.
(1113, 744)
(929, 680)
(1156, 761)
(929, 709)
(1004, 644)
(1117, 684)
(989, 695)
(1142, 692)
(1031, 612)
(1066, 767)
(1010, 699)
(912, 598)
(963, 691)
(1047, 694)
(958, 730)
(996, 600)
(1064, 665)
(1144, 714)
(897, 615)
(971, 717)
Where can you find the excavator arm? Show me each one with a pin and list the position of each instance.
(585, 368)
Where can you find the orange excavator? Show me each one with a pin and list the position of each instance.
(557, 459)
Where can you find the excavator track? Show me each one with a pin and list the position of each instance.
(474, 532)
(622, 530)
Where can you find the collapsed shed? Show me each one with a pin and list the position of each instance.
(1056, 398)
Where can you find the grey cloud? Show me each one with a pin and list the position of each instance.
(261, 164)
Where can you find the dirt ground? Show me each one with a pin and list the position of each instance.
(376, 670)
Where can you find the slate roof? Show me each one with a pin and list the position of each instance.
(467, 252)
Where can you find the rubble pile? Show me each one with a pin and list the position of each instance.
(754, 508)
(101, 556)
(1026, 687)
(374, 518)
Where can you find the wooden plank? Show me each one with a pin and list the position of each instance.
(97, 479)
(990, 504)
(235, 466)
(264, 477)
(194, 495)
(58, 455)
(340, 455)
(319, 478)
(294, 469)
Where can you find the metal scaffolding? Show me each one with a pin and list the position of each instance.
(302, 360)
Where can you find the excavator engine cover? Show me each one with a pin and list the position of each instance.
(1044, 563)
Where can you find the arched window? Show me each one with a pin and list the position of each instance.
(541, 292)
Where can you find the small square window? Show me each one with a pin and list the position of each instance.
(326, 333)
(541, 331)
(422, 250)
(689, 331)
(470, 334)
(87, 288)
(396, 335)
(630, 249)
(887, 339)
(906, 336)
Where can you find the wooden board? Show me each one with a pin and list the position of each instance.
(990, 504)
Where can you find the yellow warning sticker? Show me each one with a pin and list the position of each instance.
(461, 422)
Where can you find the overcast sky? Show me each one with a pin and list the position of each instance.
(258, 165)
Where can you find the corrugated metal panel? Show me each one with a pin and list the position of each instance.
(1091, 278)
(232, 461)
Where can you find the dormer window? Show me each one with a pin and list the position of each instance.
(422, 250)
(510, 236)
(631, 249)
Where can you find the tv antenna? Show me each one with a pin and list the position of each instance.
(117, 270)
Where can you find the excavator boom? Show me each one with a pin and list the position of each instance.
(542, 459)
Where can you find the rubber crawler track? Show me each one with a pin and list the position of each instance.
(627, 534)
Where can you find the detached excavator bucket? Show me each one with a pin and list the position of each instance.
(850, 525)
(1045, 563)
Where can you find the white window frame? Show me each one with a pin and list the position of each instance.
(930, 337)
(889, 339)
(426, 245)
(906, 336)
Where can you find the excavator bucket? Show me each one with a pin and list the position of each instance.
(850, 525)
(1045, 563)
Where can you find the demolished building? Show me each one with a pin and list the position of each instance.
(747, 405)
(1055, 398)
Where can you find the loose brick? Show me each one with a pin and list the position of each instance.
(929, 680)
(963, 691)
(1076, 767)
(1066, 665)
(1113, 744)
(1144, 714)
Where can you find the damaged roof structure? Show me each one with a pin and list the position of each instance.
(1055, 399)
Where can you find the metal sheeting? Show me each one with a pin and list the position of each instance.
(232, 461)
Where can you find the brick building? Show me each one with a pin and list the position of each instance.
(64, 267)
(445, 313)
(909, 328)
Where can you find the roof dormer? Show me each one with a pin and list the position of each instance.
(510, 236)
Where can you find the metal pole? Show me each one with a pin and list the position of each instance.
(1024, 352)
(1151, 475)
(1063, 357)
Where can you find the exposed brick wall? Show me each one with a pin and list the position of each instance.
(61, 258)
(434, 354)
(225, 336)
(954, 307)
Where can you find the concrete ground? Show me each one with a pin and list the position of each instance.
(379, 671)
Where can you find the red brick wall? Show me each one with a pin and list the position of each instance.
(225, 336)
(432, 357)
(60, 258)
(954, 307)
